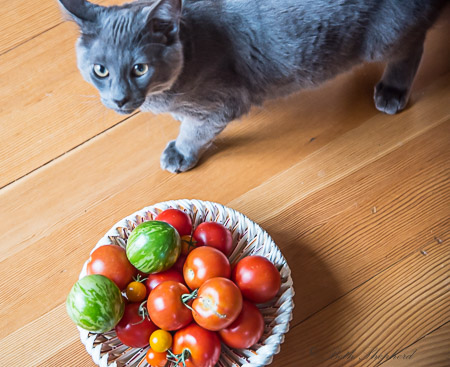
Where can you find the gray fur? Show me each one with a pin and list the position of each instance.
(211, 60)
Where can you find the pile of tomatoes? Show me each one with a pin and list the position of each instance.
(192, 299)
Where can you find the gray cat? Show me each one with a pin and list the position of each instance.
(208, 61)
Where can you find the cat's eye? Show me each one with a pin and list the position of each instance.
(101, 71)
(140, 69)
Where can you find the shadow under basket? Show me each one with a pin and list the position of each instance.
(248, 239)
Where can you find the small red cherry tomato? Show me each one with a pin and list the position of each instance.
(218, 304)
(215, 235)
(112, 262)
(166, 307)
(204, 263)
(257, 278)
(246, 330)
(178, 219)
(135, 328)
(156, 359)
(201, 346)
(153, 280)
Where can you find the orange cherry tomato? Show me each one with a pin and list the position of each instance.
(218, 304)
(112, 262)
(188, 243)
(136, 291)
(156, 359)
(204, 263)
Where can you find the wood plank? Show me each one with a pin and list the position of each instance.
(21, 22)
(259, 136)
(53, 335)
(74, 354)
(47, 109)
(237, 151)
(417, 286)
(352, 229)
(382, 316)
(431, 350)
(78, 221)
(344, 155)
(369, 245)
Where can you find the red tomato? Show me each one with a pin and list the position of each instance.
(155, 279)
(134, 330)
(204, 263)
(257, 278)
(217, 305)
(215, 235)
(112, 262)
(246, 330)
(202, 346)
(178, 266)
(166, 308)
(156, 359)
(178, 219)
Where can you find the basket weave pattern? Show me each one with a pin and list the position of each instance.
(248, 239)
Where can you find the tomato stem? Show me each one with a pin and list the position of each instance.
(191, 243)
(139, 279)
(179, 358)
(185, 298)
(143, 312)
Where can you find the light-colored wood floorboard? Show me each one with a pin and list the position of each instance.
(358, 201)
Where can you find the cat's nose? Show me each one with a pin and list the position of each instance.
(120, 102)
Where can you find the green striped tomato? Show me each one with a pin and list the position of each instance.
(153, 246)
(95, 303)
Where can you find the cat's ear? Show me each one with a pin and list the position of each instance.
(163, 18)
(82, 12)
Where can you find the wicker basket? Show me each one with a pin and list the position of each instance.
(248, 239)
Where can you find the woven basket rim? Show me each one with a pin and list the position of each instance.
(284, 304)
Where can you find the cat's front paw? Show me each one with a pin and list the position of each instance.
(174, 161)
(389, 99)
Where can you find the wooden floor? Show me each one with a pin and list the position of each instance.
(358, 201)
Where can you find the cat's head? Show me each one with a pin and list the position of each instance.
(128, 51)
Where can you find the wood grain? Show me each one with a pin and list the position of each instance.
(21, 22)
(382, 316)
(356, 227)
(431, 350)
(53, 110)
(47, 109)
(358, 202)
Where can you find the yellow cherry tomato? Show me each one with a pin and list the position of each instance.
(160, 340)
(136, 291)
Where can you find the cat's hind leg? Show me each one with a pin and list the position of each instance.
(392, 91)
